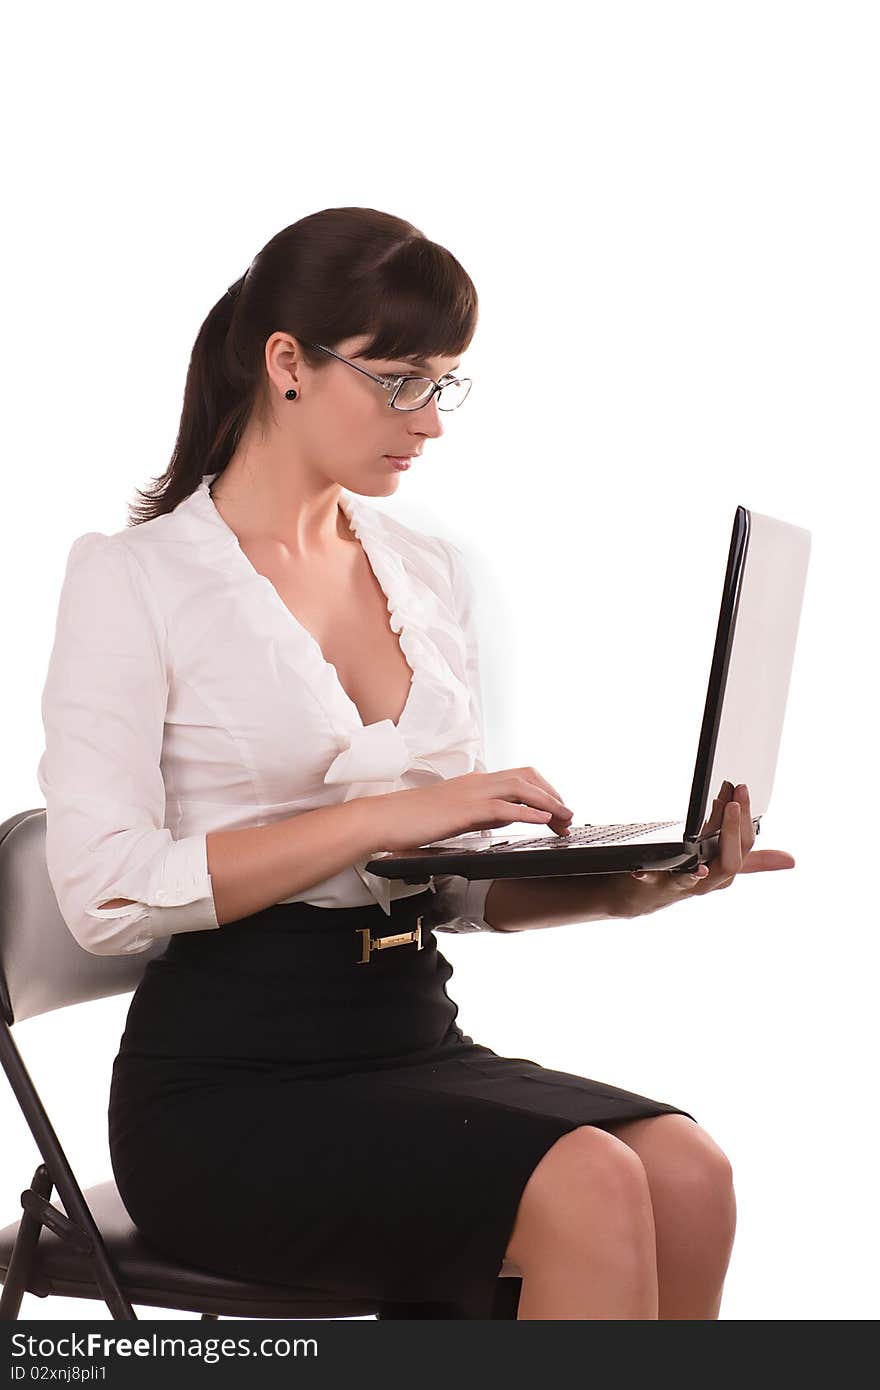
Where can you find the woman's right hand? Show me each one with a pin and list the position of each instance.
(475, 801)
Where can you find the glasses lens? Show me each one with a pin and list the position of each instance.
(416, 392)
(452, 395)
(413, 393)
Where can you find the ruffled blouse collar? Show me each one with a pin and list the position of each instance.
(434, 731)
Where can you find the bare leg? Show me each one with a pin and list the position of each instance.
(584, 1233)
(694, 1204)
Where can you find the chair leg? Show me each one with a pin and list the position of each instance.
(22, 1257)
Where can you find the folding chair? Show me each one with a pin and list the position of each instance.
(88, 1247)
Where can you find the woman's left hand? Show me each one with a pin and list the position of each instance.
(647, 890)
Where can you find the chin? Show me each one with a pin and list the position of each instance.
(383, 481)
(388, 486)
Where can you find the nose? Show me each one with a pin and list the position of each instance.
(429, 419)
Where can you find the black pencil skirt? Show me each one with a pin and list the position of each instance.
(283, 1111)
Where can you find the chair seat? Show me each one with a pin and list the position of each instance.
(151, 1278)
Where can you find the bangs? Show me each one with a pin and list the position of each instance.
(424, 305)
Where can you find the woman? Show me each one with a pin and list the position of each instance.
(254, 687)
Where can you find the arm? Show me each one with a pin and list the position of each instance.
(520, 904)
(256, 866)
(548, 902)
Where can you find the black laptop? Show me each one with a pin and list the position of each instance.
(739, 740)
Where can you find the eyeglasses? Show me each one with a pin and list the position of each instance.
(411, 392)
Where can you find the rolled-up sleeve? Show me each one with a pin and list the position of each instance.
(459, 903)
(103, 709)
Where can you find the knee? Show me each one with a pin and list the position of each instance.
(589, 1189)
(593, 1156)
(708, 1165)
(700, 1175)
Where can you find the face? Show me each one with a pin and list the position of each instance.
(340, 428)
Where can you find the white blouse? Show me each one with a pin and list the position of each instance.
(182, 696)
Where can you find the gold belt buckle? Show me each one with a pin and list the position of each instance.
(379, 943)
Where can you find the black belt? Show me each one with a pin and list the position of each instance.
(280, 935)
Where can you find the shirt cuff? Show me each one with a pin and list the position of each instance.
(459, 903)
(177, 897)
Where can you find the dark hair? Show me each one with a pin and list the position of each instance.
(336, 274)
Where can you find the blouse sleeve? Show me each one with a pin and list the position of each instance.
(459, 902)
(103, 709)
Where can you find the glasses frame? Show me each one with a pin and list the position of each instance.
(393, 384)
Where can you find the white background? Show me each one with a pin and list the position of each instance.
(670, 213)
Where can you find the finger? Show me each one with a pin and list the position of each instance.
(521, 811)
(746, 829)
(714, 821)
(698, 875)
(678, 880)
(730, 847)
(560, 825)
(759, 860)
(532, 775)
(689, 879)
(547, 798)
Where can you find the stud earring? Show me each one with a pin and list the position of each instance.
(291, 394)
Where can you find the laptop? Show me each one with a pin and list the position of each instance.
(749, 677)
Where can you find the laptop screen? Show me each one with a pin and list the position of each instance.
(752, 662)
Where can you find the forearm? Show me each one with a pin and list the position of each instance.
(520, 904)
(258, 866)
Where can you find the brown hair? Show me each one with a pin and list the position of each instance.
(336, 274)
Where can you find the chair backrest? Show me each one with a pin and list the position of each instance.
(42, 966)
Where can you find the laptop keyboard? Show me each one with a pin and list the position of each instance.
(588, 834)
